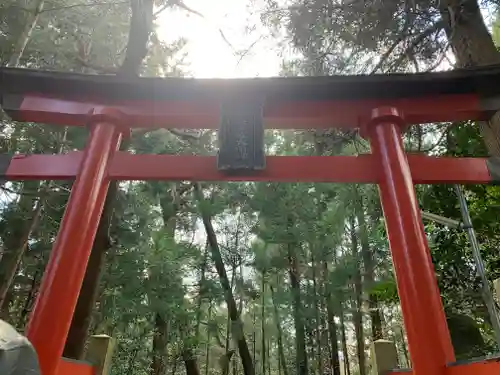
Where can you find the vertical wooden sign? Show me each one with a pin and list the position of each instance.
(241, 134)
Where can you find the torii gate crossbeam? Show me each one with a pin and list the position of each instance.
(382, 106)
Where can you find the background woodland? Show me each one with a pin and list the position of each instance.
(211, 278)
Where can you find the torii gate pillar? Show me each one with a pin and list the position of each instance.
(65, 271)
(416, 280)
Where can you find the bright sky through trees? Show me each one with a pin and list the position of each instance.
(209, 54)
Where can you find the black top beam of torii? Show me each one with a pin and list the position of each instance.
(241, 130)
(484, 81)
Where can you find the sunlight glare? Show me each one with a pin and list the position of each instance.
(209, 55)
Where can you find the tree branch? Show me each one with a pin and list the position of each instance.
(98, 68)
(80, 5)
(386, 55)
(440, 59)
(441, 137)
(391, 49)
(436, 27)
(141, 26)
(6, 189)
(180, 4)
(184, 135)
(247, 51)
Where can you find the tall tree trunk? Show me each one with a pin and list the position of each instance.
(254, 335)
(332, 326)
(269, 357)
(311, 344)
(298, 316)
(190, 362)
(201, 292)
(170, 204)
(235, 367)
(468, 34)
(30, 298)
(400, 341)
(345, 351)
(263, 325)
(158, 361)
(316, 292)
(238, 334)
(16, 243)
(472, 45)
(332, 336)
(225, 361)
(5, 311)
(207, 349)
(82, 317)
(368, 263)
(23, 39)
(281, 350)
(174, 364)
(228, 321)
(358, 311)
(228, 355)
(141, 26)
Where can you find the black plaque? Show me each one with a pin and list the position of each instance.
(241, 135)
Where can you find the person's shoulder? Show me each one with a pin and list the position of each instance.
(17, 355)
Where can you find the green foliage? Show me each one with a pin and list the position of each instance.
(292, 252)
(386, 292)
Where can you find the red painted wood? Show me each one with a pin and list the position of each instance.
(286, 115)
(487, 367)
(51, 317)
(70, 367)
(416, 280)
(341, 169)
(48, 167)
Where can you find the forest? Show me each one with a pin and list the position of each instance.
(249, 278)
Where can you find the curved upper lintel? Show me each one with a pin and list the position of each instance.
(289, 103)
(480, 81)
(286, 115)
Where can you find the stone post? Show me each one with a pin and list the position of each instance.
(99, 353)
(384, 357)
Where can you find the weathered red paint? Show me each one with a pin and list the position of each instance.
(388, 166)
(286, 115)
(484, 367)
(417, 285)
(338, 169)
(70, 367)
(51, 318)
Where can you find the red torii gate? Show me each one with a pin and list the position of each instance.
(376, 104)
